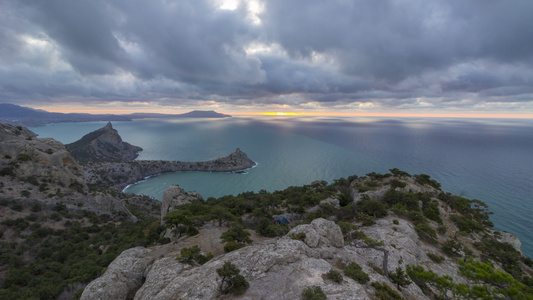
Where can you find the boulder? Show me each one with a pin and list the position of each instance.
(320, 233)
(175, 196)
(122, 278)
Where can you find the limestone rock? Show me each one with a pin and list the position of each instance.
(104, 144)
(320, 233)
(175, 196)
(33, 161)
(122, 278)
(511, 239)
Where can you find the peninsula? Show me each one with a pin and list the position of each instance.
(108, 161)
(121, 174)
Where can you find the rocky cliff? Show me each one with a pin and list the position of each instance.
(409, 239)
(120, 174)
(42, 170)
(104, 144)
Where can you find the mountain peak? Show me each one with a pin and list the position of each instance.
(103, 144)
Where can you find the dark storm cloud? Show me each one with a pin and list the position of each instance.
(331, 53)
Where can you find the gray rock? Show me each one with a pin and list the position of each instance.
(122, 278)
(104, 144)
(511, 239)
(175, 196)
(320, 233)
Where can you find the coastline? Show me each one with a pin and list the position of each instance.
(122, 174)
(243, 172)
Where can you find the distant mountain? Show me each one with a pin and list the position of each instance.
(191, 114)
(104, 144)
(25, 116)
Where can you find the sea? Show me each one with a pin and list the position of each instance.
(486, 159)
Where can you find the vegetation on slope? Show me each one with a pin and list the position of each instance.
(53, 251)
(72, 256)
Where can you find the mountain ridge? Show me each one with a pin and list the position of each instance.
(30, 117)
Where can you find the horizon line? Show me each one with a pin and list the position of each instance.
(122, 111)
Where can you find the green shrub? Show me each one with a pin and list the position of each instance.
(365, 219)
(426, 233)
(232, 282)
(385, 292)
(236, 233)
(452, 248)
(434, 257)
(193, 255)
(395, 222)
(6, 171)
(371, 207)
(466, 224)
(17, 206)
(334, 275)
(232, 245)
(354, 271)
(426, 179)
(431, 211)
(503, 253)
(36, 207)
(395, 183)
(400, 278)
(298, 236)
(313, 293)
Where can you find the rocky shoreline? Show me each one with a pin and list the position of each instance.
(122, 174)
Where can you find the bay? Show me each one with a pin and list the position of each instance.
(486, 159)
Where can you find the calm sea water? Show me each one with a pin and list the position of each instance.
(486, 159)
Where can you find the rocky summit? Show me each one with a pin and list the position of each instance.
(104, 144)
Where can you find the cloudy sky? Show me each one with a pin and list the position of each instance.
(348, 56)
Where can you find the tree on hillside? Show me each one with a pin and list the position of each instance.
(180, 221)
(232, 281)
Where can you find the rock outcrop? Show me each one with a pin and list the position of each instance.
(104, 144)
(41, 170)
(36, 165)
(320, 233)
(120, 174)
(276, 269)
(175, 196)
(126, 273)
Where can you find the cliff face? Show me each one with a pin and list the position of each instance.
(104, 144)
(35, 165)
(42, 170)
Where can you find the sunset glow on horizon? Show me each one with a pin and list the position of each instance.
(159, 110)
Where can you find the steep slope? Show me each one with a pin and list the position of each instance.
(42, 170)
(104, 144)
(31, 165)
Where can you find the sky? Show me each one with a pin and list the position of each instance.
(388, 57)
